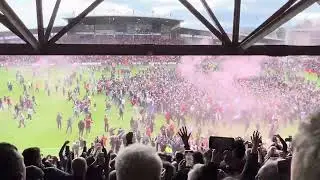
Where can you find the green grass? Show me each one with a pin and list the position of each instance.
(42, 130)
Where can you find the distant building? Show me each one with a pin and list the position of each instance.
(306, 33)
(134, 30)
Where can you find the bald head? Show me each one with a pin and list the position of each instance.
(138, 162)
(11, 163)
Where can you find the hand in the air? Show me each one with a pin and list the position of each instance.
(256, 139)
(183, 133)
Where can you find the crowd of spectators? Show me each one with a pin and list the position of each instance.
(105, 60)
(295, 160)
(124, 39)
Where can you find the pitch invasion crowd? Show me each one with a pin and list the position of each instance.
(160, 90)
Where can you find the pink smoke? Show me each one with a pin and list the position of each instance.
(222, 85)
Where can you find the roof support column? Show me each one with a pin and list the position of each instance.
(52, 19)
(74, 21)
(215, 19)
(18, 24)
(204, 21)
(277, 22)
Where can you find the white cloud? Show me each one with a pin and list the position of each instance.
(26, 10)
(175, 5)
(107, 8)
(308, 16)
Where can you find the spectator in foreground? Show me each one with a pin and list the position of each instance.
(138, 162)
(306, 148)
(79, 168)
(11, 163)
(32, 157)
(196, 172)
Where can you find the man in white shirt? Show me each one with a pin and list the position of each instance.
(29, 111)
(21, 120)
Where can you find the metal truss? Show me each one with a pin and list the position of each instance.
(15, 21)
(157, 50)
(283, 15)
(270, 19)
(236, 22)
(215, 19)
(46, 46)
(52, 19)
(205, 22)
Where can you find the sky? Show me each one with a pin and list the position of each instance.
(253, 12)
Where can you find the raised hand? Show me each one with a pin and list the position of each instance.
(255, 139)
(183, 133)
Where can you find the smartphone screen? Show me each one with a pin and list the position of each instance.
(221, 143)
(189, 158)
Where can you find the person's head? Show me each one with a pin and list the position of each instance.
(179, 157)
(200, 172)
(138, 158)
(269, 171)
(32, 156)
(239, 149)
(306, 149)
(79, 167)
(198, 158)
(196, 172)
(274, 139)
(100, 159)
(11, 163)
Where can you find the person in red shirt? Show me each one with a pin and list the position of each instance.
(133, 101)
(86, 86)
(104, 140)
(218, 112)
(148, 132)
(183, 108)
(88, 122)
(168, 117)
(172, 127)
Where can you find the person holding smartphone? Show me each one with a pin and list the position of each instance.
(189, 158)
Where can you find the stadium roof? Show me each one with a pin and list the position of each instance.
(43, 44)
(94, 20)
(183, 30)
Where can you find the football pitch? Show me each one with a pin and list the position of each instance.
(42, 130)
